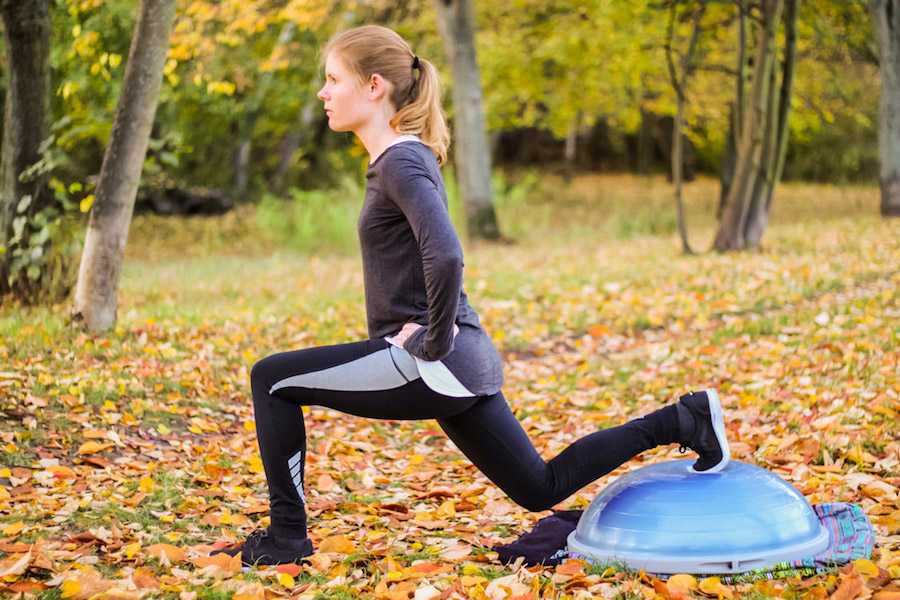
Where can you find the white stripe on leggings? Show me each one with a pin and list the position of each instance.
(297, 460)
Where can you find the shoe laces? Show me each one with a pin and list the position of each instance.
(256, 536)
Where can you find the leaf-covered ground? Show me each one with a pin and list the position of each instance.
(127, 456)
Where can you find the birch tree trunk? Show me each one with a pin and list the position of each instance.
(101, 262)
(571, 147)
(886, 17)
(471, 154)
(26, 30)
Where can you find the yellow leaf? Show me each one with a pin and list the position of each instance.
(14, 528)
(163, 430)
(146, 484)
(70, 588)
(254, 465)
(416, 459)
(683, 580)
(446, 509)
(5, 472)
(86, 203)
(285, 580)
(865, 567)
(132, 549)
(713, 587)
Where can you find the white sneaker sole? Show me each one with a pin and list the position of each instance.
(718, 420)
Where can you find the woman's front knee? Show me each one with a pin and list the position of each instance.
(263, 372)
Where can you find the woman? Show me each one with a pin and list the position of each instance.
(428, 356)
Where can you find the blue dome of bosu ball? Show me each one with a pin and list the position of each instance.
(666, 519)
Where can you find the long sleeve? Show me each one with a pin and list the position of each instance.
(409, 185)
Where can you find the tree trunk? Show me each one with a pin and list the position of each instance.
(646, 142)
(471, 154)
(101, 262)
(886, 17)
(728, 159)
(676, 177)
(750, 148)
(760, 218)
(294, 138)
(764, 170)
(736, 111)
(680, 83)
(571, 147)
(248, 124)
(27, 30)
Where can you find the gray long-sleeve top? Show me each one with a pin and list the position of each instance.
(413, 267)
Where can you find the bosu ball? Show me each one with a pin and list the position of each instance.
(666, 519)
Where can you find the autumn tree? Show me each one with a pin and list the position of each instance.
(98, 277)
(886, 18)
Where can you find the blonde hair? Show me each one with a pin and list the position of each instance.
(371, 49)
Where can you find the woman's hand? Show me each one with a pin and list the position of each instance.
(408, 330)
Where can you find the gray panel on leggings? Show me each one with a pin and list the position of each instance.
(405, 362)
(375, 371)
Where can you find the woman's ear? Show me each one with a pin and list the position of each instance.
(376, 87)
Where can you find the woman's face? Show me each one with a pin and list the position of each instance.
(345, 98)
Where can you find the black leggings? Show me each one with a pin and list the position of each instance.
(373, 379)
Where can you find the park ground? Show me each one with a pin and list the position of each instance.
(125, 456)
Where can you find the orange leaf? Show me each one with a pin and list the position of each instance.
(229, 564)
(325, 483)
(337, 543)
(598, 330)
(571, 567)
(93, 447)
(289, 568)
(851, 586)
(170, 552)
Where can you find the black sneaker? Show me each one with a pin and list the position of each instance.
(707, 434)
(263, 548)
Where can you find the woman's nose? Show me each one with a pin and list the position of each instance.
(321, 94)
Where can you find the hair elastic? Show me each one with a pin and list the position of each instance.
(415, 63)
